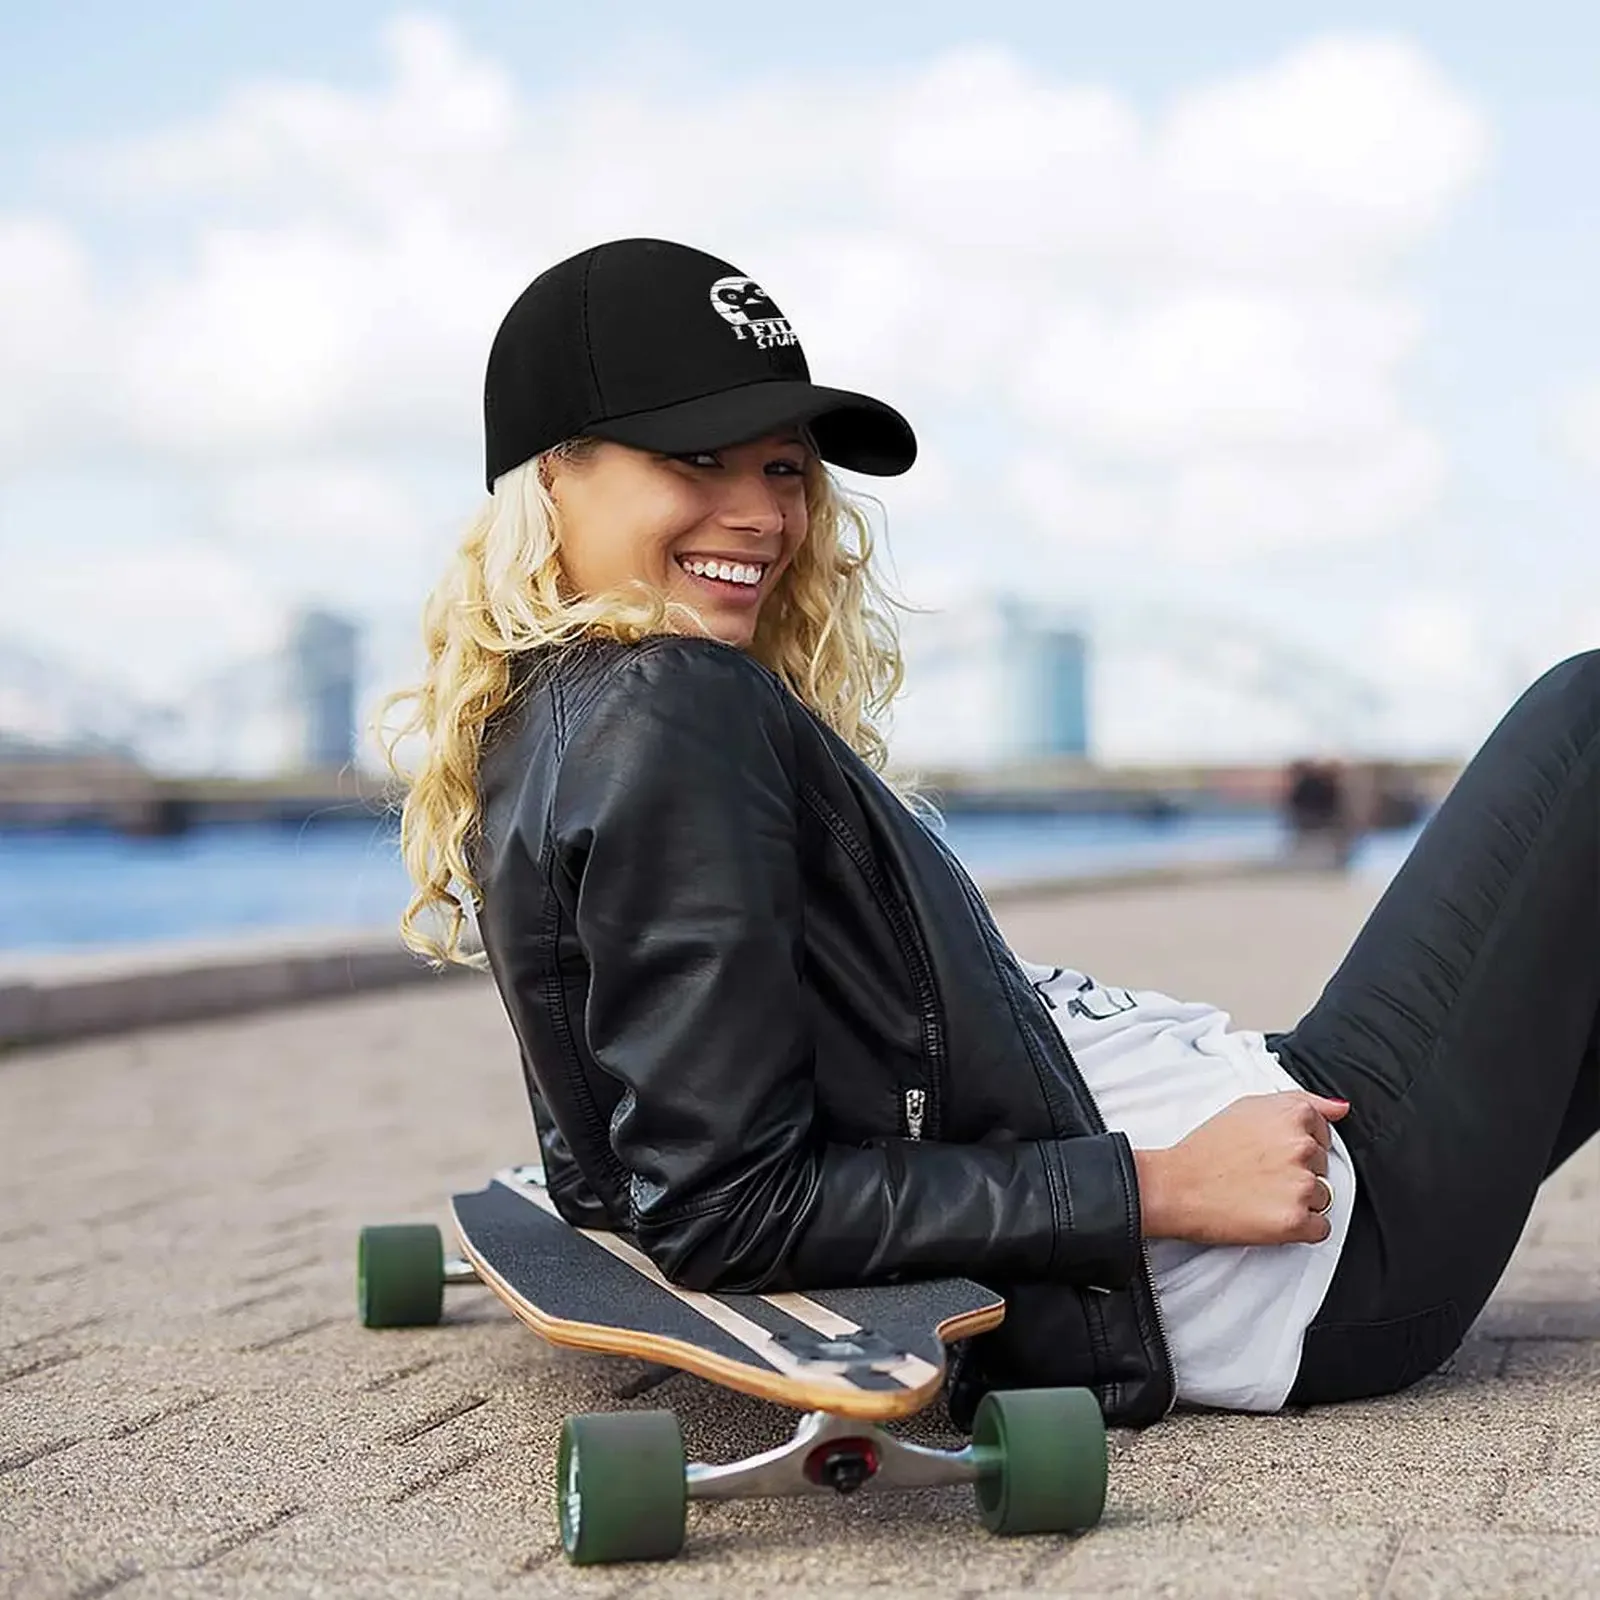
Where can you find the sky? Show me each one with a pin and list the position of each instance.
(1257, 337)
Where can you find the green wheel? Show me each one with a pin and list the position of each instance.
(400, 1276)
(1048, 1448)
(622, 1491)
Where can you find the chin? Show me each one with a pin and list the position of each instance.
(730, 627)
(736, 631)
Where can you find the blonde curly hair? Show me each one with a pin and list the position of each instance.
(827, 631)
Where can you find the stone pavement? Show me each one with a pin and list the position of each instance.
(188, 1406)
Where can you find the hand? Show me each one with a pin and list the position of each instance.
(1248, 1175)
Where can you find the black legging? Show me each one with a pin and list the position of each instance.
(1464, 1028)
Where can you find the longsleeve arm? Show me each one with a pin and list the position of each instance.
(676, 822)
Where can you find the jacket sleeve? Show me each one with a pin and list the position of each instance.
(675, 826)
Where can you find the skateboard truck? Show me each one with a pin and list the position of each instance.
(831, 1454)
(1037, 1464)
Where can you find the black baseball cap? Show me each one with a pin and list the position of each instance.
(665, 348)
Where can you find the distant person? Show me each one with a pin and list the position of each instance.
(771, 1033)
(1318, 808)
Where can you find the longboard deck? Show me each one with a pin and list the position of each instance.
(874, 1353)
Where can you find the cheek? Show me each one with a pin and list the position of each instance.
(627, 532)
(796, 523)
(666, 519)
(593, 552)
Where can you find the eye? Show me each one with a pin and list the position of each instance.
(697, 458)
(783, 467)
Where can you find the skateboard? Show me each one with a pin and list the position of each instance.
(850, 1359)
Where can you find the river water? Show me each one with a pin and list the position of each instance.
(75, 890)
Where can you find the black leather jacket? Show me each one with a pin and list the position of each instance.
(771, 1031)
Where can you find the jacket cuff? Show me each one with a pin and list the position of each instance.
(1100, 1241)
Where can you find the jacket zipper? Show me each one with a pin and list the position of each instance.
(1161, 1322)
(916, 1108)
(1096, 1121)
(920, 1105)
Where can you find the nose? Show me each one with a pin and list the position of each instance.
(750, 503)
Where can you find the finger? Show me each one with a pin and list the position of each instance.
(1314, 1228)
(1313, 1121)
(1333, 1110)
(1316, 1231)
(1320, 1200)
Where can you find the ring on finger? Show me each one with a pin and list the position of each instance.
(1327, 1205)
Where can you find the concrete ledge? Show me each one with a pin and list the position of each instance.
(1176, 875)
(70, 995)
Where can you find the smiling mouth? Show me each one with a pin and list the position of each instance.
(741, 577)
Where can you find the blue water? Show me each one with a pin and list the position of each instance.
(75, 890)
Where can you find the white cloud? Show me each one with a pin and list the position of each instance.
(1176, 335)
(152, 620)
(1431, 635)
(1233, 504)
(1193, 371)
(1578, 424)
(296, 149)
(342, 511)
(1333, 161)
(1070, 507)
(49, 324)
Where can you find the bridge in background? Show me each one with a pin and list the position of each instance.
(107, 792)
(103, 792)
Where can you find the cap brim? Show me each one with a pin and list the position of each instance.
(851, 430)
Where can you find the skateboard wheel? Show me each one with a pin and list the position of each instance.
(400, 1276)
(1050, 1460)
(622, 1488)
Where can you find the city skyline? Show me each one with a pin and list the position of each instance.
(985, 685)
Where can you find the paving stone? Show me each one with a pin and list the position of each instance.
(1555, 1502)
(1201, 1561)
(1485, 1566)
(1577, 1449)
(226, 1582)
(1577, 1360)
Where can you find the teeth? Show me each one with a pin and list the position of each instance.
(727, 571)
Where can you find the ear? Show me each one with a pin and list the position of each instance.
(562, 458)
(553, 469)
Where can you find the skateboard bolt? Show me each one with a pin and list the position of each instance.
(843, 1465)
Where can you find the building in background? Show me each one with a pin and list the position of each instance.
(291, 706)
(1046, 677)
(323, 650)
(992, 680)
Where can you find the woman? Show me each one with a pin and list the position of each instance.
(769, 1028)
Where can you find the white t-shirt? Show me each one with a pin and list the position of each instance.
(1235, 1316)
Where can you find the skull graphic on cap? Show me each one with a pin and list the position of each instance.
(741, 301)
(743, 304)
